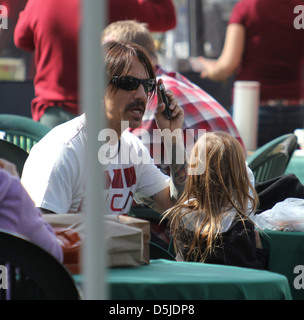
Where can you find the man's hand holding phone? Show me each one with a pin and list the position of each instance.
(168, 115)
(171, 127)
(164, 99)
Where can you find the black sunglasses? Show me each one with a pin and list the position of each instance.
(131, 83)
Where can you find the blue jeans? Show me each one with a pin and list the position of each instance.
(53, 116)
(275, 121)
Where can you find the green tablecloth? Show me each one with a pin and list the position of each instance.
(172, 280)
(286, 250)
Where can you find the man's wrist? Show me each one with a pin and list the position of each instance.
(174, 147)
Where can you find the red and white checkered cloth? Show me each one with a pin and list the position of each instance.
(201, 111)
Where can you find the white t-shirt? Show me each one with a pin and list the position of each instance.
(55, 172)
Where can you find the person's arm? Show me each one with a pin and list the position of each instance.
(230, 58)
(164, 199)
(9, 167)
(158, 14)
(174, 154)
(23, 34)
(34, 227)
(18, 213)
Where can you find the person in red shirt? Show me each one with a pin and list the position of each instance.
(159, 15)
(51, 29)
(262, 44)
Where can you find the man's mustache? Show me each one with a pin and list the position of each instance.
(137, 104)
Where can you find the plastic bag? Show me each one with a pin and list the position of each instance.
(287, 215)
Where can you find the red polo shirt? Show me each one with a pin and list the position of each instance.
(274, 48)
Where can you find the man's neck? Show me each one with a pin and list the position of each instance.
(119, 128)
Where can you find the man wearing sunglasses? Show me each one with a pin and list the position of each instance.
(201, 110)
(55, 171)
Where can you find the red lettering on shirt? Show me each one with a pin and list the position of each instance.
(117, 179)
(112, 202)
(129, 197)
(122, 179)
(130, 176)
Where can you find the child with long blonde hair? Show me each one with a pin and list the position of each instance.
(210, 223)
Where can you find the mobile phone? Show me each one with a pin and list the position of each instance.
(165, 100)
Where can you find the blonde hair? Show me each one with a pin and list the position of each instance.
(223, 185)
(130, 30)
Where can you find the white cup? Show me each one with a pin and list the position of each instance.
(246, 100)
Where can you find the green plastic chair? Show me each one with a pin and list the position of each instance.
(14, 154)
(22, 131)
(171, 249)
(157, 252)
(271, 160)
